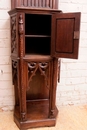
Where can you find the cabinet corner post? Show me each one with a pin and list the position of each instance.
(21, 62)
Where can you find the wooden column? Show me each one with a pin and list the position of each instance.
(21, 62)
(54, 73)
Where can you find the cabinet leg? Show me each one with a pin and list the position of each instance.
(54, 71)
(22, 90)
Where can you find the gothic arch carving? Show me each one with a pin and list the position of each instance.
(33, 67)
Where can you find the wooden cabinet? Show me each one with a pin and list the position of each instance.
(38, 38)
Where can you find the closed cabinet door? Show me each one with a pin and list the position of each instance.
(65, 35)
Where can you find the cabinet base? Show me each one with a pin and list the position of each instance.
(37, 116)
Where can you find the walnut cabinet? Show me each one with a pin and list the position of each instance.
(38, 38)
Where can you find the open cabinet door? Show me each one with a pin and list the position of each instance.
(65, 35)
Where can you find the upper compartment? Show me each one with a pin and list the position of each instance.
(52, 4)
(37, 24)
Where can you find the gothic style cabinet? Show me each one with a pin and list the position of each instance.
(40, 34)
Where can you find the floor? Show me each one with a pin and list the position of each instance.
(69, 118)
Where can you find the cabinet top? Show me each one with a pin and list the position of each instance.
(33, 10)
(52, 4)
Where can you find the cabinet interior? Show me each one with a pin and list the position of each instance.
(37, 34)
(37, 45)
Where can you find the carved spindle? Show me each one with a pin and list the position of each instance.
(39, 3)
(25, 3)
(53, 4)
(21, 2)
(29, 3)
(46, 3)
(43, 4)
(50, 3)
(32, 3)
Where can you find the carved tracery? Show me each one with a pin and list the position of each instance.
(33, 67)
(13, 35)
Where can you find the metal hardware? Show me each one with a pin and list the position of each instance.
(76, 34)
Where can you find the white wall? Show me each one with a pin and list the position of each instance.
(72, 88)
(6, 88)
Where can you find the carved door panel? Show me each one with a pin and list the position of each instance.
(65, 35)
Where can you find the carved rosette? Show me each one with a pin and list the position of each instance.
(13, 35)
(33, 67)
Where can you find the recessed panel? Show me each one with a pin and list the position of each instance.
(64, 35)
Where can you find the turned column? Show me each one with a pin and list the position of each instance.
(54, 74)
(21, 64)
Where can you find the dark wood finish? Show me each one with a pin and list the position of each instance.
(39, 36)
(35, 3)
(65, 35)
(53, 82)
(22, 65)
